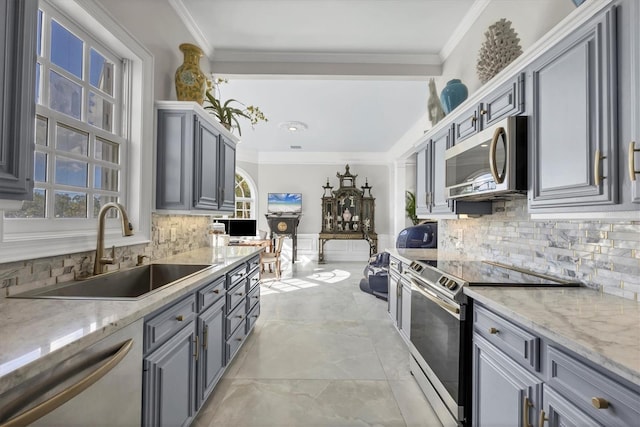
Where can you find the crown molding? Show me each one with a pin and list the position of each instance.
(463, 27)
(190, 23)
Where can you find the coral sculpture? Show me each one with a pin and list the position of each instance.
(502, 45)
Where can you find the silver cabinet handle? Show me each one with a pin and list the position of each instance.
(632, 161)
(597, 177)
(65, 395)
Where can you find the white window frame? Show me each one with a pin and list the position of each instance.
(61, 236)
(254, 192)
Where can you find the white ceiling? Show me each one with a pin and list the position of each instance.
(355, 71)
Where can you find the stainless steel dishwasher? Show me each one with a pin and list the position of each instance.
(99, 386)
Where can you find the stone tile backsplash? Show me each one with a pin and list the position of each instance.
(189, 233)
(600, 254)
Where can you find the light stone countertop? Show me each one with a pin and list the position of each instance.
(408, 255)
(37, 334)
(604, 329)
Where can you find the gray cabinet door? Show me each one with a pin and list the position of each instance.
(507, 100)
(465, 125)
(17, 97)
(558, 412)
(227, 176)
(573, 123)
(206, 159)
(174, 159)
(170, 381)
(504, 393)
(212, 361)
(437, 178)
(423, 168)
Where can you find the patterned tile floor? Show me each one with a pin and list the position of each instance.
(322, 353)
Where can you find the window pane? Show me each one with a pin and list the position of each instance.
(33, 209)
(72, 140)
(38, 100)
(65, 96)
(41, 130)
(66, 49)
(101, 73)
(107, 150)
(40, 167)
(106, 178)
(70, 205)
(100, 112)
(100, 201)
(71, 172)
(39, 32)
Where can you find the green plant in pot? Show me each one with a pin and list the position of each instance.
(229, 111)
(410, 207)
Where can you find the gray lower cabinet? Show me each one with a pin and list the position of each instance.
(17, 97)
(189, 343)
(404, 324)
(170, 381)
(211, 363)
(195, 160)
(504, 393)
(399, 297)
(512, 388)
(573, 138)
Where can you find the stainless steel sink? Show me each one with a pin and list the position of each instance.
(127, 284)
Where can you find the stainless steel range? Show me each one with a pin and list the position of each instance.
(441, 327)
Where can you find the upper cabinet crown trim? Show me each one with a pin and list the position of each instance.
(194, 106)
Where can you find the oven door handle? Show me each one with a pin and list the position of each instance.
(434, 298)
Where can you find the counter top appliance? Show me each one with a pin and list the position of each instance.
(441, 327)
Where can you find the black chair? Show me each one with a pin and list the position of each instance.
(376, 274)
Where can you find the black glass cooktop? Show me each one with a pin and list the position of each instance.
(485, 273)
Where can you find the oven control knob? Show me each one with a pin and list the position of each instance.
(443, 281)
(451, 284)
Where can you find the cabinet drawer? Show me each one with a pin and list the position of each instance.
(210, 293)
(235, 296)
(253, 297)
(513, 340)
(163, 325)
(253, 263)
(507, 100)
(466, 125)
(234, 342)
(252, 317)
(235, 318)
(253, 280)
(587, 388)
(236, 275)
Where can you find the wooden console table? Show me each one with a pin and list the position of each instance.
(371, 238)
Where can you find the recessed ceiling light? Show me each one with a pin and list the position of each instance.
(484, 145)
(295, 147)
(293, 126)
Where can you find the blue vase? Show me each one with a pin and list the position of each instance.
(452, 95)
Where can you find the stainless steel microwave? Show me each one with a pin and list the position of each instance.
(489, 164)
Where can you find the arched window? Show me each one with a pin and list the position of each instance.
(246, 199)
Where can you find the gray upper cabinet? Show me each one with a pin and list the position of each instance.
(195, 160)
(628, 16)
(17, 97)
(423, 167)
(573, 139)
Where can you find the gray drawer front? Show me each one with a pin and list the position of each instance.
(211, 293)
(253, 280)
(253, 298)
(513, 340)
(467, 125)
(253, 263)
(252, 317)
(581, 383)
(234, 342)
(236, 275)
(162, 326)
(235, 318)
(235, 296)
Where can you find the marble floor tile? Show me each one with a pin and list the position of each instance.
(331, 403)
(322, 353)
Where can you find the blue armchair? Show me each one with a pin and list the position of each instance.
(376, 273)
